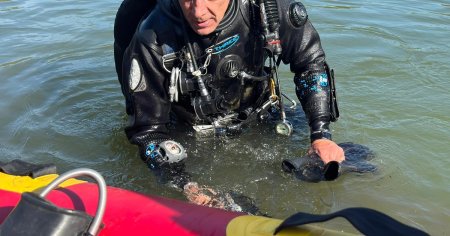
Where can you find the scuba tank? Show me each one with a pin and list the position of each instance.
(128, 17)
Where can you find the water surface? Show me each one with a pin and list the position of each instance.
(61, 103)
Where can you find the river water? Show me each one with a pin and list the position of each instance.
(60, 102)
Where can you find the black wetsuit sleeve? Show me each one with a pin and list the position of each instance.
(302, 49)
(145, 87)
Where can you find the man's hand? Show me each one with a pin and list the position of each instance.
(327, 150)
(202, 195)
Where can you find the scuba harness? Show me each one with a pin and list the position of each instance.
(206, 100)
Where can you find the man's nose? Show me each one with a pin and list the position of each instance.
(199, 8)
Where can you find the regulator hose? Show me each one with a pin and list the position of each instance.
(273, 20)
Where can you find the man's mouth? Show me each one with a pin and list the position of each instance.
(203, 24)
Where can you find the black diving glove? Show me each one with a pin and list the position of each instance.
(165, 153)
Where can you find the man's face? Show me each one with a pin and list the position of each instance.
(204, 15)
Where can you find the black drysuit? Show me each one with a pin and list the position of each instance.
(144, 71)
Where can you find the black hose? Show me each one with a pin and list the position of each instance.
(202, 87)
(273, 19)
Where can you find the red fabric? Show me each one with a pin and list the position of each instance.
(130, 213)
(7, 202)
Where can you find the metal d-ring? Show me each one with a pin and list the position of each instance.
(96, 222)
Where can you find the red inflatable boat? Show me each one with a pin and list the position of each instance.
(131, 213)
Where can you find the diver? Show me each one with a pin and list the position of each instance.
(213, 66)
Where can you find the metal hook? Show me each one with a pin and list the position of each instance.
(294, 103)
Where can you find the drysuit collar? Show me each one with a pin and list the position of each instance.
(173, 10)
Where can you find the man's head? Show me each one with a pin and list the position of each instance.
(204, 15)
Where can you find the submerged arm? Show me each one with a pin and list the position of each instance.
(302, 49)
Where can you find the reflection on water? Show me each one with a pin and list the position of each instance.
(61, 103)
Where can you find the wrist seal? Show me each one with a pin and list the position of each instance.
(320, 135)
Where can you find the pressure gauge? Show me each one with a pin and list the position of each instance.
(284, 128)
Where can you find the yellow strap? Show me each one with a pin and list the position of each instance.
(263, 226)
(20, 184)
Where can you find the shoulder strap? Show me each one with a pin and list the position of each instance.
(367, 221)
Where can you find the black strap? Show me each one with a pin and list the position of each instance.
(22, 168)
(367, 221)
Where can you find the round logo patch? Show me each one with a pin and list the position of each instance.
(135, 74)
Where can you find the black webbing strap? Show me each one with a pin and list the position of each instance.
(367, 221)
(22, 168)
